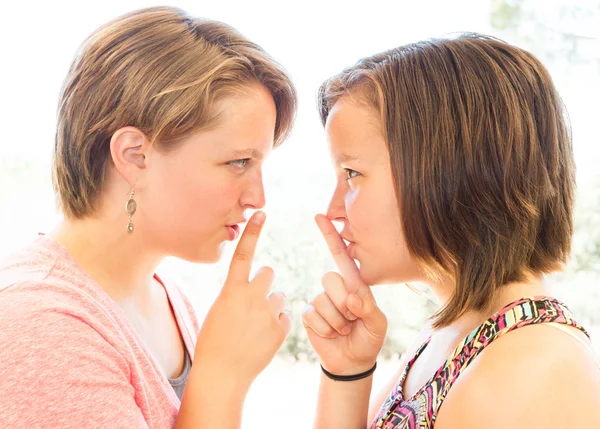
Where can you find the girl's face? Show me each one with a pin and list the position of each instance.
(365, 198)
(194, 195)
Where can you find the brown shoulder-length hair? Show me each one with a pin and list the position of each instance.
(481, 156)
(162, 71)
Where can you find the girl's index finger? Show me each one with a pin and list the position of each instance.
(337, 248)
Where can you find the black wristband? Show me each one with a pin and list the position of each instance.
(349, 377)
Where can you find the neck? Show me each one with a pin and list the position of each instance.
(532, 286)
(121, 263)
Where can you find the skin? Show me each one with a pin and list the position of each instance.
(186, 200)
(565, 384)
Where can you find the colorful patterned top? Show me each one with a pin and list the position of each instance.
(420, 411)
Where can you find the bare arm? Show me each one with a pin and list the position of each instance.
(343, 404)
(211, 400)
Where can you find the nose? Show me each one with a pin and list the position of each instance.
(253, 196)
(337, 207)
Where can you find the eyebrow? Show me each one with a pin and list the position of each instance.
(246, 153)
(344, 157)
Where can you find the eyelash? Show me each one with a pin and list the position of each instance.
(244, 162)
(349, 171)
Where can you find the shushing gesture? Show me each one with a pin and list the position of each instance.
(247, 324)
(345, 326)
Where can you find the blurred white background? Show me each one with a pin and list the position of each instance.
(313, 40)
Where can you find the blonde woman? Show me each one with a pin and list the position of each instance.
(164, 123)
(455, 169)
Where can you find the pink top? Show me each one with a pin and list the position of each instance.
(68, 356)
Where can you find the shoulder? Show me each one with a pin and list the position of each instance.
(80, 374)
(40, 314)
(32, 262)
(46, 323)
(534, 377)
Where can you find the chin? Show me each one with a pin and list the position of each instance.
(370, 274)
(203, 255)
(374, 275)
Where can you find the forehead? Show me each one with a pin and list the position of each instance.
(245, 122)
(251, 112)
(354, 131)
(245, 128)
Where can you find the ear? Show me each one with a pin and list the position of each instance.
(129, 149)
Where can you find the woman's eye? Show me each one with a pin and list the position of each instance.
(241, 163)
(350, 174)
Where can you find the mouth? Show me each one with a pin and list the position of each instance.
(234, 230)
(347, 240)
(350, 245)
(350, 249)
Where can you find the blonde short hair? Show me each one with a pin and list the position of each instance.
(161, 71)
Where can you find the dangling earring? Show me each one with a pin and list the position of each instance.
(130, 207)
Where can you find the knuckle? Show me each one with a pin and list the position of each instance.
(339, 325)
(252, 229)
(334, 319)
(306, 325)
(280, 295)
(267, 271)
(337, 247)
(285, 320)
(278, 298)
(307, 312)
(264, 275)
(241, 256)
(320, 299)
(328, 279)
(333, 281)
(328, 331)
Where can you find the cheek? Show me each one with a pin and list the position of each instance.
(370, 215)
(396, 262)
(374, 219)
(356, 203)
(191, 201)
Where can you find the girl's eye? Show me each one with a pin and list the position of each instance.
(350, 174)
(241, 163)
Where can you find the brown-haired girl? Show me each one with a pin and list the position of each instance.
(455, 168)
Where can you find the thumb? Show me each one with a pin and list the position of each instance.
(371, 315)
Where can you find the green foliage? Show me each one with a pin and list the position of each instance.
(506, 15)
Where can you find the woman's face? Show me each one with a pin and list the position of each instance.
(195, 193)
(365, 199)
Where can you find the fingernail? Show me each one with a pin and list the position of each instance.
(355, 301)
(258, 217)
(350, 316)
(347, 329)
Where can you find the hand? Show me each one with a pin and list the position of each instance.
(247, 324)
(344, 325)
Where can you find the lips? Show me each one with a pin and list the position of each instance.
(350, 250)
(349, 242)
(346, 237)
(234, 229)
